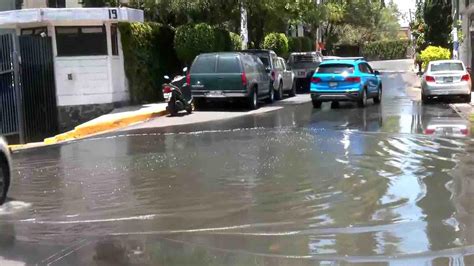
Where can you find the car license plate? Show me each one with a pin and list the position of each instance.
(332, 84)
(448, 80)
(216, 94)
(167, 96)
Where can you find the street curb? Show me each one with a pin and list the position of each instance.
(100, 125)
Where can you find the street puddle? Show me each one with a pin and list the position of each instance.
(13, 207)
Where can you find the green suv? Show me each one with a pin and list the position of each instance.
(230, 76)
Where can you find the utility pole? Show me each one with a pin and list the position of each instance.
(244, 32)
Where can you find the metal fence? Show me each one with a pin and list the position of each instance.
(8, 95)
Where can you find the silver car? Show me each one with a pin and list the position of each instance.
(446, 78)
(288, 77)
(5, 166)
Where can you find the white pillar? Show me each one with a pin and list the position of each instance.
(244, 32)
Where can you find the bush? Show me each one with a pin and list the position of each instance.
(276, 42)
(223, 42)
(306, 44)
(432, 53)
(294, 44)
(192, 40)
(385, 50)
(236, 41)
(149, 55)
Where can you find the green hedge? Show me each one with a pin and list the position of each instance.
(278, 42)
(300, 44)
(223, 42)
(432, 53)
(149, 55)
(236, 41)
(385, 50)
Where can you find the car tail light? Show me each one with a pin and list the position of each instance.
(273, 75)
(430, 79)
(466, 77)
(188, 79)
(429, 131)
(244, 79)
(166, 89)
(465, 131)
(315, 80)
(353, 79)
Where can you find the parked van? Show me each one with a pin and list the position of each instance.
(230, 75)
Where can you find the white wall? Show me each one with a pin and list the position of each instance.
(90, 82)
(43, 3)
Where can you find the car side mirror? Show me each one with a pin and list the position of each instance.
(377, 73)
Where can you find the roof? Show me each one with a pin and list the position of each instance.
(69, 15)
(342, 61)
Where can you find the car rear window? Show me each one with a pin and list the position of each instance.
(204, 64)
(304, 61)
(228, 64)
(336, 69)
(436, 67)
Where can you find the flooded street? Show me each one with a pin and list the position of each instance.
(296, 186)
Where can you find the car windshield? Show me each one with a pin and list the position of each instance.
(335, 69)
(438, 67)
(304, 61)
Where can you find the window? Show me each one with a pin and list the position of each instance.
(435, 67)
(81, 41)
(34, 31)
(57, 3)
(336, 69)
(228, 64)
(282, 64)
(204, 64)
(114, 39)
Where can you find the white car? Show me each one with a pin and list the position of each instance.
(5, 165)
(446, 78)
(288, 78)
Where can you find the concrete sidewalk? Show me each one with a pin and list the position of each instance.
(118, 118)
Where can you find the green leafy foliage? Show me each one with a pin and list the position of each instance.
(385, 50)
(236, 41)
(294, 44)
(222, 39)
(439, 21)
(278, 42)
(192, 40)
(432, 53)
(149, 55)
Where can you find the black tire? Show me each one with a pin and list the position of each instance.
(362, 102)
(425, 99)
(189, 109)
(293, 90)
(271, 96)
(171, 108)
(378, 98)
(4, 180)
(468, 98)
(279, 94)
(317, 104)
(252, 100)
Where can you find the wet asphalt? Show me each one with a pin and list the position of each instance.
(294, 186)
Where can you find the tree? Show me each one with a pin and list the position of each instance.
(439, 21)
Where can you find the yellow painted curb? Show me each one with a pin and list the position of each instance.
(103, 125)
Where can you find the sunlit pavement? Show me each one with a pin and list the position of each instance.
(285, 185)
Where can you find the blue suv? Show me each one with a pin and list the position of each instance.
(345, 80)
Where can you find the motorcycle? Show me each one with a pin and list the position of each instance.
(177, 94)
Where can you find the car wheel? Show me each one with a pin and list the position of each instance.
(363, 99)
(4, 181)
(378, 98)
(468, 98)
(293, 90)
(253, 100)
(425, 99)
(271, 96)
(317, 104)
(279, 95)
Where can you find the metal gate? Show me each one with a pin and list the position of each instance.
(38, 88)
(9, 113)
